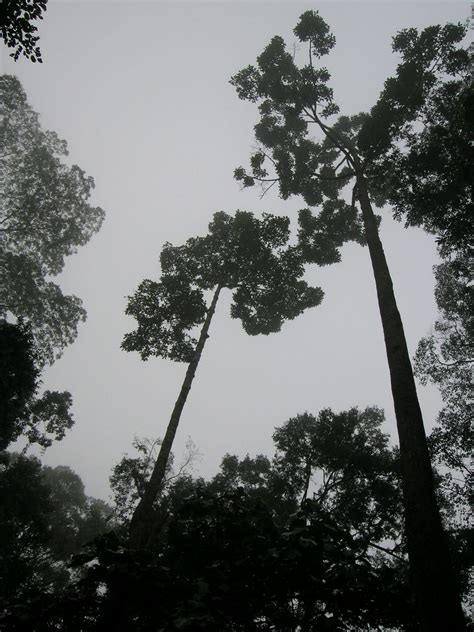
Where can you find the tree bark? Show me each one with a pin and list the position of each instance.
(434, 584)
(141, 524)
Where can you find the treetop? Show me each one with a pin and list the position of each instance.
(247, 255)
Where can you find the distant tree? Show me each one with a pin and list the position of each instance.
(344, 463)
(25, 503)
(294, 101)
(75, 518)
(44, 217)
(242, 253)
(242, 552)
(260, 480)
(16, 28)
(41, 419)
(130, 476)
(45, 517)
(445, 357)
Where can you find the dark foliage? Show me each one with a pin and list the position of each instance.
(250, 551)
(445, 357)
(19, 377)
(17, 30)
(247, 255)
(40, 420)
(226, 565)
(45, 517)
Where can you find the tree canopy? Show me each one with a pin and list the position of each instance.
(44, 217)
(247, 255)
(445, 358)
(430, 84)
(45, 517)
(227, 544)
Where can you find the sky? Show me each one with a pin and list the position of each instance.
(141, 93)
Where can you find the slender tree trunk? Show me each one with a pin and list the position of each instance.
(438, 602)
(141, 525)
(308, 470)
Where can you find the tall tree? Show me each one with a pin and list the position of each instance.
(17, 30)
(242, 253)
(44, 217)
(294, 100)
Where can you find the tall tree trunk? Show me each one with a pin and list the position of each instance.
(141, 525)
(438, 602)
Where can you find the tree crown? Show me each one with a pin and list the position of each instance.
(249, 256)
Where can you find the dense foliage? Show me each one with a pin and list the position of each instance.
(17, 29)
(44, 217)
(247, 255)
(227, 544)
(39, 419)
(45, 517)
(445, 357)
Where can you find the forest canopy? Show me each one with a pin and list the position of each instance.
(337, 526)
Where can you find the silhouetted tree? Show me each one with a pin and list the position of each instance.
(344, 463)
(428, 182)
(233, 556)
(45, 517)
(295, 100)
(16, 28)
(44, 217)
(39, 419)
(242, 253)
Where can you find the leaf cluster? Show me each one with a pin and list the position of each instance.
(17, 30)
(429, 183)
(426, 57)
(345, 460)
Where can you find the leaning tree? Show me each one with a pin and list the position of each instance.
(249, 256)
(295, 101)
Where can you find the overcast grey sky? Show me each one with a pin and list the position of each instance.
(140, 92)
